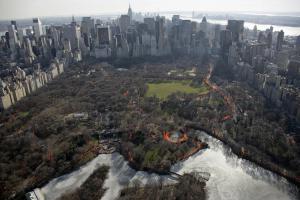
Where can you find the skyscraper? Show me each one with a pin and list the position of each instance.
(217, 32)
(12, 31)
(269, 39)
(225, 41)
(233, 55)
(280, 38)
(176, 19)
(87, 30)
(185, 32)
(13, 22)
(72, 33)
(67, 45)
(255, 31)
(124, 23)
(55, 34)
(160, 32)
(103, 35)
(130, 13)
(12, 39)
(237, 29)
(204, 25)
(37, 27)
(28, 50)
(261, 37)
(150, 22)
(298, 43)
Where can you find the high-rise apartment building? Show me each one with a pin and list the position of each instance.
(103, 35)
(72, 33)
(280, 38)
(37, 27)
(87, 30)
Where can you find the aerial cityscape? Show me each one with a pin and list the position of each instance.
(156, 100)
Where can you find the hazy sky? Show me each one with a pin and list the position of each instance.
(11, 9)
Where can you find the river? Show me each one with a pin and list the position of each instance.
(288, 30)
(231, 178)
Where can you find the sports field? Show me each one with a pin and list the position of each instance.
(163, 90)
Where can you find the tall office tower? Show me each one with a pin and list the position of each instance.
(121, 46)
(37, 27)
(103, 36)
(160, 32)
(298, 44)
(12, 31)
(150, 22)
(124, 23)
(118, 41)
(27, 46)
(176, 20)
(269, 39)
(12, 39)
(294, 69)
(6, 38)
(130, 14)
(186, 32)
(195, 28)
(72, 33)
(132, 40)
(261, 37)
(55, 35)
(141, 29)
(175, 37)
(216, 42)
(280, 38)
(29, 55)
(28, 31)
(13, 22)
(233, 55)
(21, 34)
(255, 31)
(237, 29)
(87, 30)
(252, 50)
(203, 25)
(45, 46)
(67, 45)
(225, 41)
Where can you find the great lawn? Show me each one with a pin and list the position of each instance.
(163, 90)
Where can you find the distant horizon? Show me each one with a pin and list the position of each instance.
(16, 9)
(107, 13)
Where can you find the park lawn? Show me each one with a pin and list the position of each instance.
(163, 90)
(24, 114)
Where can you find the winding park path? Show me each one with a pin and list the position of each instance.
(227, 98)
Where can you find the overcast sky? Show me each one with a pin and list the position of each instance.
(13, 9)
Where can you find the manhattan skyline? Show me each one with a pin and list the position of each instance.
(15, 9)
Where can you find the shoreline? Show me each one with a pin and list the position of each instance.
(244, 153)
(191, 152)
(195, 126)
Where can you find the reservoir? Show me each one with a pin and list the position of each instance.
(231, 178)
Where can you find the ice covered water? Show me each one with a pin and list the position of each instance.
(231, 178)
(119, 176)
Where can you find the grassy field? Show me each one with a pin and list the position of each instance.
(163, 90)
